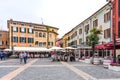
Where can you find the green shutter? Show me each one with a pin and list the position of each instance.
(17, 39)
(2, 42)
(25, 39)
(12, 28)
(17, 29)
(28, 30)
(20, 39)
(32, 31)
(20, 29)
(25, 30)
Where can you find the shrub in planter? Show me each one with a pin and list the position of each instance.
(114, 64)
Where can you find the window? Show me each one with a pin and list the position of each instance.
(50, 43)
(52, 30)
(40, 34)
(50, 35)
(0, 34)
(107, 16)
(87, 40)
(36, 43)
(30, 30)
(30, 40)
(14, 23)
(80, 41)
(107, 33)
(44, 43)
(44, 35)
(22, 29)
(22, 39)
(15, 29)
(40, 44)
(36, 34)
(14, 39)
(22, 24)
(68, 38)
(95, 23)
(87, 28)
(74, 35)
(0, 42)
(74, 42)
(6, 42)
(80, 31)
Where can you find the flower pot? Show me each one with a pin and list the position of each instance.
(96, 61)
(106, 63)
(115, 68)
(87, 60)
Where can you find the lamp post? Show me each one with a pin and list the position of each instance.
(114, 35)
(114, 57)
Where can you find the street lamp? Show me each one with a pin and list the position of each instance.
(114, 35)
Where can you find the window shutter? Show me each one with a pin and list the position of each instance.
(16, 29)
(28, 40)
(96, 22)
(20, 29)
(104, 34)
(20, 39)
(25, 39)
(108, 32)
(104, 18)
(16, 39)
(6, 42)
(32, 31)
(32, 40)
(2, 42)
(25, 30)
(12, 28)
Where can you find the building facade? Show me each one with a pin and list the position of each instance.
(4, 39)
(116, 18)
(27, 34)
(100, 20)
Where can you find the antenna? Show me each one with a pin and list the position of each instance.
(1, 27)
(42, 20)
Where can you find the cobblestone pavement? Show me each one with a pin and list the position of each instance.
(45, 69)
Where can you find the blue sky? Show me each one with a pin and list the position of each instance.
(64, 14)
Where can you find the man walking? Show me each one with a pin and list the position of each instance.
(21, 57)
(25, 57)
(1, 55)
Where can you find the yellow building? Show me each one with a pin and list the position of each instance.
(27, 34)
(4, 39)
(66, 39)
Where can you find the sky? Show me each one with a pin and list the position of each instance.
(63, 14)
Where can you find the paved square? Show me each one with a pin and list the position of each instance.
(45, 69)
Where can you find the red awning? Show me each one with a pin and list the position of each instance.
(102, 46)
(108, 45)
(111, 44)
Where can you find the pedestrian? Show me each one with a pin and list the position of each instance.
(1, 56)
(25, 57)
(53, 56)
(65, 58)
(4, 55)
(21, 57)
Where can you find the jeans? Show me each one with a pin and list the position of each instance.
(21, 60)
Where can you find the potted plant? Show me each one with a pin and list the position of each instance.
(88, 60)
(114, 66)
(106, 62)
